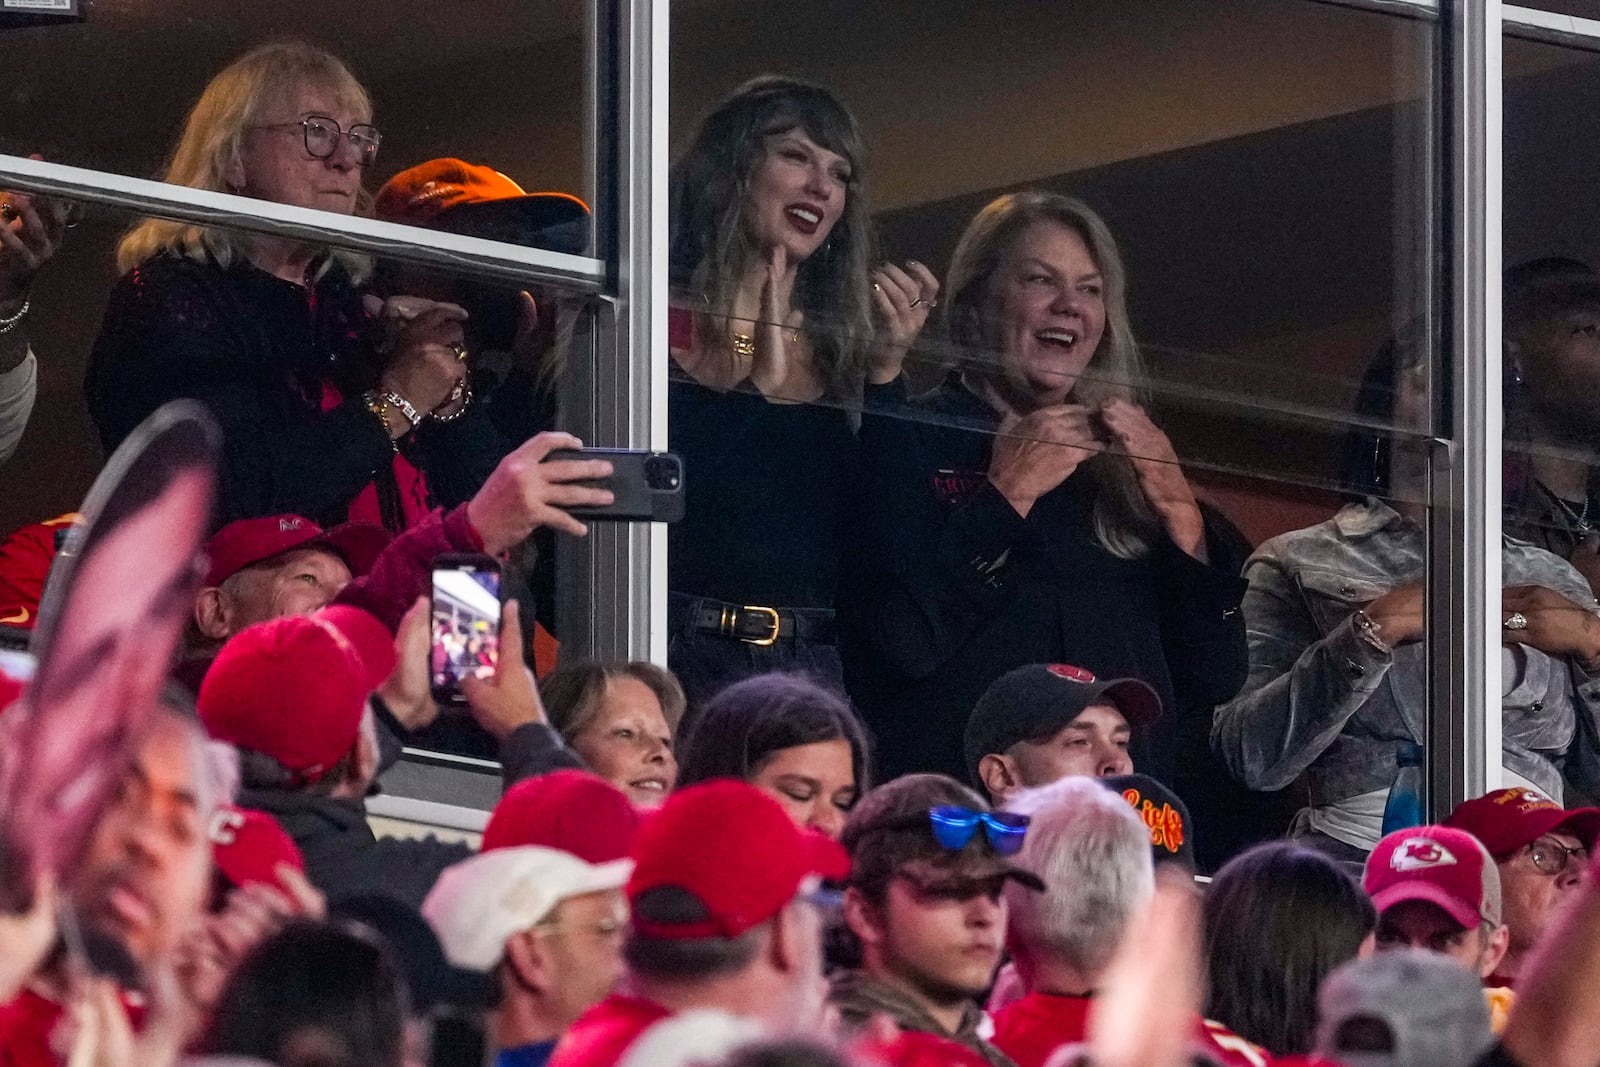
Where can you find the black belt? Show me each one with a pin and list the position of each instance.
(757, 625)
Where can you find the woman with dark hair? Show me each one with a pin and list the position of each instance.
(1338, 672)
(772, 344)
(620, 718)
(315, 994)
(787, 735)
(1029, 511)
(1277, 920)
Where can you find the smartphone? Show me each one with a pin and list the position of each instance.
(648, 486)
(465, 623)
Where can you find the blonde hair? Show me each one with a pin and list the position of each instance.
(1124, 523)
(212, 139)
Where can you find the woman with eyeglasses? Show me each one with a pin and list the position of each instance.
(330, 408)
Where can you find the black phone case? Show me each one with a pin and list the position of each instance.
(636, 500)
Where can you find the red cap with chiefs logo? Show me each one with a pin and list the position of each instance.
(731, 848)
(1438, 864)
(1511, 819)
(248, 846)
(247, 542)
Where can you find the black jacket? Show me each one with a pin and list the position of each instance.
(951, 588)
(343, 856)
(262, 354)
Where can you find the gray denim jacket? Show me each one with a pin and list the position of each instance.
(1319, 699)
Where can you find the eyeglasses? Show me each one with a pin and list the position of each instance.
(322, 136)
(607, 927)
(954, 826)
(1554, 858)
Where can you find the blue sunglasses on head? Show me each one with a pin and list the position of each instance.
(954, 826)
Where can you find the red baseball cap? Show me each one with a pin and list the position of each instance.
(245, 542)
(1510, 819)
(478, 201)
(372, 640)
(732, 848)
(1438, 864)
(570, 811)
(294, 689)
(248, 846)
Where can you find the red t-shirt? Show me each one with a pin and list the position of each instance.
(602, 1034)
(1030, 1029)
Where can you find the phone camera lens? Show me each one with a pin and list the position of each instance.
(663, 473)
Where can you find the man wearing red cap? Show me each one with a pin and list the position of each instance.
(722, 919)
(1541, 852)
(1437, 888)
(291, 695)
(541, 908)
(279, 565)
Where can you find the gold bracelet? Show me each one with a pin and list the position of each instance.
(743, 344)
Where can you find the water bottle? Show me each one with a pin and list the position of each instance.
(1404, 808)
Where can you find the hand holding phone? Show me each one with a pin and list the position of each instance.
(646, 486)
(465, 621)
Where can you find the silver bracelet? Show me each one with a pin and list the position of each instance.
(404, 407)
(7, 325)
(463, 393)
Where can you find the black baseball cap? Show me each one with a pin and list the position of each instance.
(1031, 703)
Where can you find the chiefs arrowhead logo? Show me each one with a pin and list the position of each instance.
(1071, 673)
(225, 827)
(1419, 854)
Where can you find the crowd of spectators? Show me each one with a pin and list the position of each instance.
(904, 793)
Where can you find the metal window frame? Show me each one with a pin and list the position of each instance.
(494, 260)
(1464, 559)
(623, 599)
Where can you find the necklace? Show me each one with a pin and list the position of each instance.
(1577, 521)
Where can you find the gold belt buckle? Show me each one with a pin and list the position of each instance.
(772, 617)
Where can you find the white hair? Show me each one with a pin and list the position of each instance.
(1093, 853)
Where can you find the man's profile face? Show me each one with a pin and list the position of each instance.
(1534, 890)
(146, 872)
(583, 936)
(1092, 745)
(1421, 924)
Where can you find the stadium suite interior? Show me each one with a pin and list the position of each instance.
(1265, 165)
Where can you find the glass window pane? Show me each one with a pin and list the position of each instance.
(1551, 313)
(309, 383)
(112, 92)
(1273, 211)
